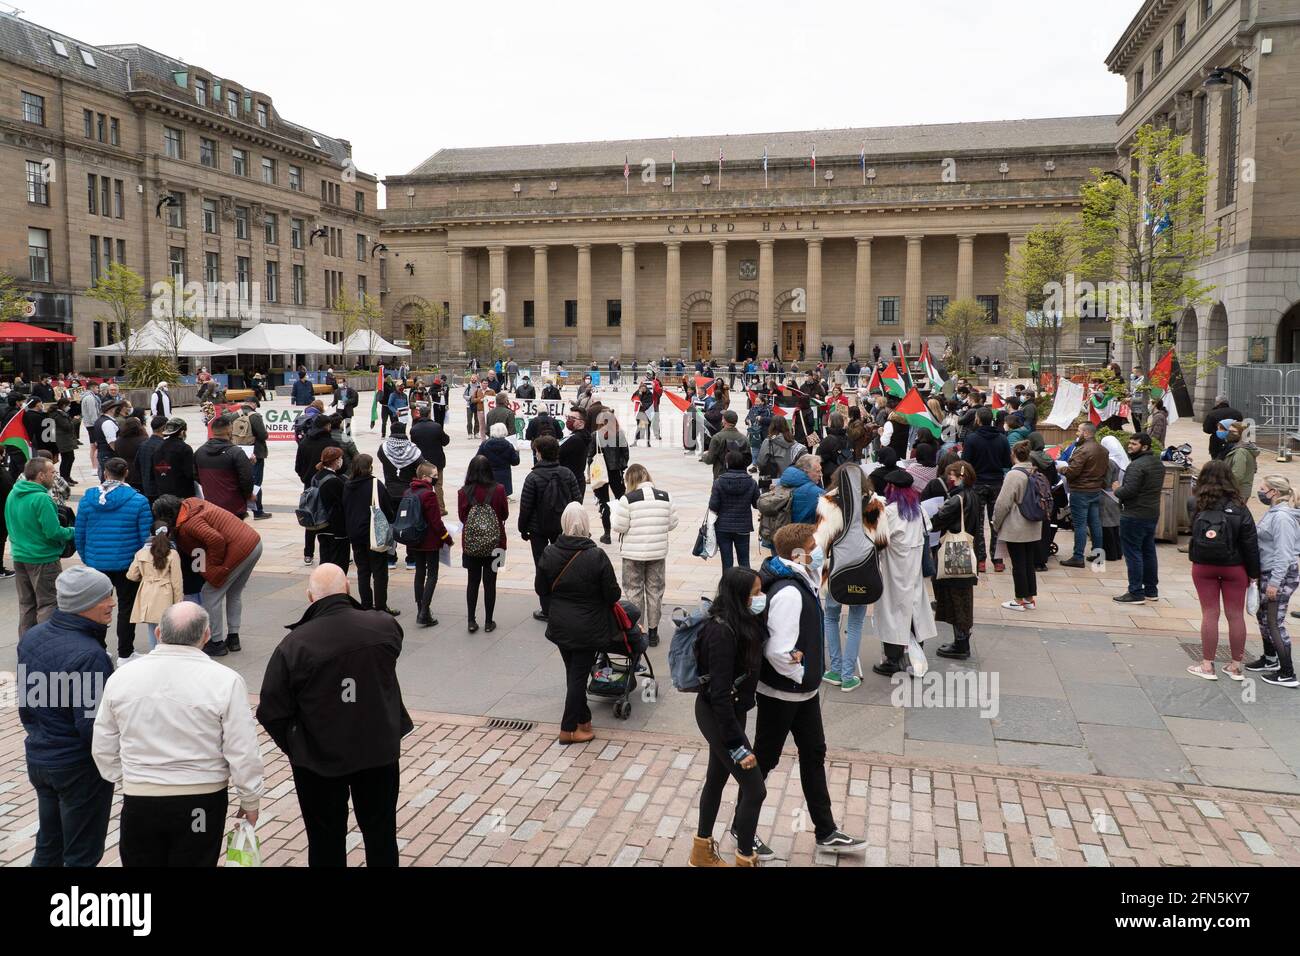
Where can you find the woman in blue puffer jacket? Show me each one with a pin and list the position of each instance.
(114, 521)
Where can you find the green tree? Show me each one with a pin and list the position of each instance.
(426, 327)
(350, 317)
(965, 324)
(1150, 235)
(174, 314)
(122, 291)
(484, 340)
(1047, 261)
(13, 303)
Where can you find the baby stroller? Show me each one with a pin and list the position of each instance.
(621, 664)
(1060, 517)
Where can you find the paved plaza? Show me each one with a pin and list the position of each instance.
(1073, 736)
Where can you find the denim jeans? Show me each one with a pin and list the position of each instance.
(1137, 538)
(73, 806)
(843, 659)
(1085, 513)
(729, 542)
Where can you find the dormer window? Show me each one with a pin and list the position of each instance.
(88, 58)
(60, 47)
(263, 115)
(232, 103)
(201, 92)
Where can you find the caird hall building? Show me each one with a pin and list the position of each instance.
(894, 223)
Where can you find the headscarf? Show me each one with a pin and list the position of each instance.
(1117, 453)
(574, 522)
(401, 451)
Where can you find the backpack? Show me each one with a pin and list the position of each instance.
(550, 505)
(482, 533)
(311, 512)
(775, 508)
(241, 430)
(299, 426)
(854, 561)
(546, 426)
(1214, 539)
(758, 429)
(740, 446)
(410, 527)
(1036, 503)
(683, 652)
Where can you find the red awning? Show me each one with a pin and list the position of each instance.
(15, 332)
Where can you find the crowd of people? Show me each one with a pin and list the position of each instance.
(824, 469)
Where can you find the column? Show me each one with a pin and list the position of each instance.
(1015, 304)
(862, 298)
(813, 324)
(767, 332)
(455, 298)
(966, 266)
(628, 294)
(718, 347)
(913, 303)
(673, 300)
(583, 351)
(497, 285)
(541, 303)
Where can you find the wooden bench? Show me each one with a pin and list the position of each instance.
(238, 394)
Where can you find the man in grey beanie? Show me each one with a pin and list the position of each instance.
(63, 666)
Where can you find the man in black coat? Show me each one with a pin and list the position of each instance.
(346, 742)
(310, 448)
(540, 504)
(575, 452)
(1222, 412)
(345, 400)
(987, 451)
(431, 438)
(525, 391)
(174, 472)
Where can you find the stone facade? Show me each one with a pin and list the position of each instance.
(146, 126)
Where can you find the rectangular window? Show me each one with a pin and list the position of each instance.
(60, 47)
(38, 190)
(361, 201)
(295, 178)
(613, 313)
(92, 194)
(299, 285)
(94, 261)
(1231, 140)
(119, 199)
(176, 263)
(529, 313)
(243, 267)
(232, 103)
(241, 223)
(361, 248)
(201, 92)
(172, 143)
(121, 251)
(271, 228)
(296, 229)
(570, 313)
(263, 115)
(33, 108)
(1139, 83)
(272, 281)
(88, 120)
(1158, 60)
(176, 211)
(990, 303)
(101, 127)
(934, 306)
(38, 254)
(362, 288)
(108, 252)
(114, 131)
(105, 205)
(211, 269)
(1207, 11)
(208, 152)
(1180, 34)
(210, 217)
(887, 310)
(239, 162)
(268, 171)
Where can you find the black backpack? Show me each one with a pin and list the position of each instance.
(410, 526)
(740, 446)
(1214, 537)
(551, 504)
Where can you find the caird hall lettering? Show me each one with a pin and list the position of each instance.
(719, 228)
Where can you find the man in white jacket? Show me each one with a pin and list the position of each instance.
(175, 728)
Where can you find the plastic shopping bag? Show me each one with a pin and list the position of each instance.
(1252, 598)
(242, 848)
(916, 658)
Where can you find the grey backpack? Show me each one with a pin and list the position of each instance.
(854, 562)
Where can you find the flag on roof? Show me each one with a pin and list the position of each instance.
(893, 381)
(15, 435)
(917, 413)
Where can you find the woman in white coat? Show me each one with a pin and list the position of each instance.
(903, 611)
(643, 519)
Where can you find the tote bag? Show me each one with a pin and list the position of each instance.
(957, 553)
(381, 532)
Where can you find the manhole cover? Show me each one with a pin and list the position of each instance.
(502, 723)
(1222, 656)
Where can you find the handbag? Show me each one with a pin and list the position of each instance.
(956, 553)
(599, 473)
(706, 539)
(381, 531)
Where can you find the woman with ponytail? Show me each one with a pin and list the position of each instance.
(157, 569)
(1279, 574)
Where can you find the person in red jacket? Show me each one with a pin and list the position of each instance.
(426, 555)
(479, 556)
(224, 550)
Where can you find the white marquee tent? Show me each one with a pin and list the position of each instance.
(273, 338)
(362, 342)
(155, 338)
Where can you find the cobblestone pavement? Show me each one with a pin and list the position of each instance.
(475, 796)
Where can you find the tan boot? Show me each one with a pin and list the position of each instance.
(581, 736)
(585, 728)
(751, 860)
(566, 737)
(704, 852)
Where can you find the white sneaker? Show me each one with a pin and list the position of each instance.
(1014, 606)
(127, 660)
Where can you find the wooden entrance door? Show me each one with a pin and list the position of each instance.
(701, 340)
(792, 341)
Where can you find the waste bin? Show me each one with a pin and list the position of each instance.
(1174, 496)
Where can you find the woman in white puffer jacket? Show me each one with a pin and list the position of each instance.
(643, 519)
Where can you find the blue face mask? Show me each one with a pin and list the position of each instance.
(818, 560)
(1222, 436)
(758, 604)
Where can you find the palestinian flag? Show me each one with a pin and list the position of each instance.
(903, 365)
(680, 401)
(892, 381)
(15, 436)
(778, 410)
(875, 385)
(931, 370)
(1053, 452)
(997, 403)
(1158, 378)
(917, 414)
(1102, 408)
(379, 397)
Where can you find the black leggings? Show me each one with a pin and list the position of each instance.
(480, 569)
(752, 789)
(1023, 555)
(603, 496)
(426, 578)
(372, 576)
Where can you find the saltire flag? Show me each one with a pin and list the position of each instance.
(917, 414)
(379, 397)
(15, 436)
(892, 382)
(997, 402)
(1103, 407)
(931, 370)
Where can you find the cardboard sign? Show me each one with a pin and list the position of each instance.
(528, 408)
